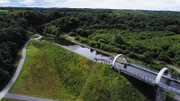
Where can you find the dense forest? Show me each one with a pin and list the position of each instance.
(13, 35)
(148, 36)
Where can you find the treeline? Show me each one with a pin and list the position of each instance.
(125, 20)
(71, 20)
(90, 19)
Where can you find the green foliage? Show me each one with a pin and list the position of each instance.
(103, 79)
(66, 75)
(142, 35)
(117, 39)
(49, 28)
(146, 46)
(72, 34)
(11, 40)
(164, 57)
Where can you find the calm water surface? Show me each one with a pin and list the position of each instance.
(84, 51)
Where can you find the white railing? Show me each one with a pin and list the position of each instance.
(138, 76)
(153, 71)
(120, 68)
(169, 89)
(101, 61)
(144, 67)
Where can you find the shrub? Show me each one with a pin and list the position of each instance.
(132, 55)
(77, 38)
(72, 34)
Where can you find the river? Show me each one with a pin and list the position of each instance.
(84, 51)
(93, 54)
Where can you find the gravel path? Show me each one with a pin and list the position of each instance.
(25, 98)
(176, 97)
(18, 70)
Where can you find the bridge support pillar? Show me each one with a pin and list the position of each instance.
(160, 94)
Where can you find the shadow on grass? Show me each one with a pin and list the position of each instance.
(147, 90)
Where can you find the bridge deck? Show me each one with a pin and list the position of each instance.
(149, 77)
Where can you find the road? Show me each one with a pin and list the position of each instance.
(18, 70)
(176, 97)
(25, 98)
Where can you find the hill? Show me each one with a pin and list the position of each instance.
(53, 72)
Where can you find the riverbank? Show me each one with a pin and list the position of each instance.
(72, 39)
(76, 42)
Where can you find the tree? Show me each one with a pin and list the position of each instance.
(173, 28)
(164, 57)
(22, 22)
(117, 39)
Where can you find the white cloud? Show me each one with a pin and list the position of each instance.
(4, 1)
(114, 4)
(50, 2)
(27, 2)
(122, 4)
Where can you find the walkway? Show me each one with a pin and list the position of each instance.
(25, 98)
(18, 70)
(176, 97)
(163, 83)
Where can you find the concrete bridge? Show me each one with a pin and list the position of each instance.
(162, 80)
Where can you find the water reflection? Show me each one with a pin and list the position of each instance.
(87, 52)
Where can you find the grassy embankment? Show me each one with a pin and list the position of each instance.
(53, 72)
(5, 99)
(4, 10)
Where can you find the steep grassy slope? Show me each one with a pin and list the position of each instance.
(53, 72)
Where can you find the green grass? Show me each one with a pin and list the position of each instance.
(4, 10)
(104, 84)
(6, 99)
(18, 57)
(34, 36)
(53, 72)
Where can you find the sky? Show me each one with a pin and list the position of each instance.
(170, 5)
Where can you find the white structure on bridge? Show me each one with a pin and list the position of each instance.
(121, 64)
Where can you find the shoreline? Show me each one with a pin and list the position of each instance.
(85, 45)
